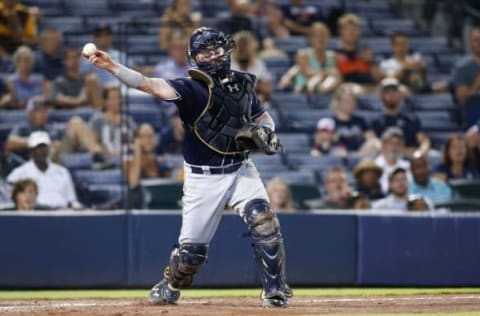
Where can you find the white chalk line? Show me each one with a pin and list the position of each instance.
(46, 305)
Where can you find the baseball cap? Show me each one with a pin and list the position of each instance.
(392, 131)
(326, 124)
(38, 138)
(35, 103)
(390, 82)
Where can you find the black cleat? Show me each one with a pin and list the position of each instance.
(162, 294)
(274, 299)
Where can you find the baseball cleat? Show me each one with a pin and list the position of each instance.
(162, 294)
(288, 291)
(274, 299)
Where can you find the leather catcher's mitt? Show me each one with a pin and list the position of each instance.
(254, 137)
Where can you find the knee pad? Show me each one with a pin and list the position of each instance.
(185, 261)
(261, 220)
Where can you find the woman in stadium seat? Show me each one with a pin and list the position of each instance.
(280, 195)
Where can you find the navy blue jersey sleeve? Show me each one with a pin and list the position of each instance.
(257, 107)
(184, 89)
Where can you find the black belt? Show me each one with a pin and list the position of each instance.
(216, 170)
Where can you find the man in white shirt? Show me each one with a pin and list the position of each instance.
(398, 197)
(390, 157)
(55, 185)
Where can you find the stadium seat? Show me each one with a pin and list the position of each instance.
(447, 61)
(460, 205)
(434, 102)
(268, 163)
(89, 177)
(146, 113)
(465, 188)
(105, 197)
(308, 162)
(295, 142)
(303, 120)
(64, 115)
(370, 102)
(76, 161)
(298, 176)
(437, 121)
(13, 116)
(320, 101)
(302, 192)
(137, 8)
(472, 110)
(389, 26)
(87, 8)
(70, 24)
(290, 101)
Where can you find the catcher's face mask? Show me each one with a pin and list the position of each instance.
(210, 50)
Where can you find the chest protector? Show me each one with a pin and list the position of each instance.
(227, 110)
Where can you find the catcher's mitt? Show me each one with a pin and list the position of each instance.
(254, 137)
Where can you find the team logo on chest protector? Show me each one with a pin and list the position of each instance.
(227, 110)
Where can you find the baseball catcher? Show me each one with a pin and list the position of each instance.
(223, 122)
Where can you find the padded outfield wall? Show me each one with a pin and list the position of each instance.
(118, 249)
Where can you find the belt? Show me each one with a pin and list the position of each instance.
(216, 170)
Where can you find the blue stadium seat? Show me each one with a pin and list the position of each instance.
(447, 61)
(64, 115)
(290, 45)
(434, 102)
(140, 8)
(141, 98)
(430, 45)
(371, 102)
(89, 177)
(268, 163)
(298, 176)
(437, 121)
(143, 43)
(290, 101)
(105, 196)
(5, 129)
(13, 116)
(387, 27)
(315, 164)
(303, 120)
(320, 101)
(146, 113)
(70, 24)
(379, 45)
(295, 142)
(87, 8)
(76, 161)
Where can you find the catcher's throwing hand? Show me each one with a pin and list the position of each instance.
(255, 137)
(102, 60)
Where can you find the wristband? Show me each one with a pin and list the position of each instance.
(268, 123)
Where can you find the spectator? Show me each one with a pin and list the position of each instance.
(355, 64)
(241, 19)
(103, 39)
(337, 190)
(466, 73)
(172, 136)
(298, 16)
(16, 144)
(409, 69)
(6, 62)
(423, 184)
(367, 176)
(457, 161)
(272, 18)
(415, 138)
(75, 89)
(24, 84)
(176, 65)
(398, 192)
(24, 195)
(178, 18)
(418, 203)
(74, 137)
(325, 140)
(49, 58)
(244, 58)
(353, 130)
(107, 125)
(359, 201)
(55, 186)
(317, 69)
(391, 155)
(18, 24)
(280, 195)
(144, 163)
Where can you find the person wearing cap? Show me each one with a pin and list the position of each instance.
(422, 183)
(16, 144)
(325, 141)
(367, 176)
(103, 39)
(353, 130)
(398, 192)
(391, 155)
(414, 137)
(55, 185)
(73, 88)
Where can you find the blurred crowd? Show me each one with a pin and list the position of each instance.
(66, 116)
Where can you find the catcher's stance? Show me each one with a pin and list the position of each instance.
(223, 120)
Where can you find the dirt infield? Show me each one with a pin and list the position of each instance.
(249, 306)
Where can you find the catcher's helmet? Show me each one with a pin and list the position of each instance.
(215, 47)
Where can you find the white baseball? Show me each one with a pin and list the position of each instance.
(89, 49)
